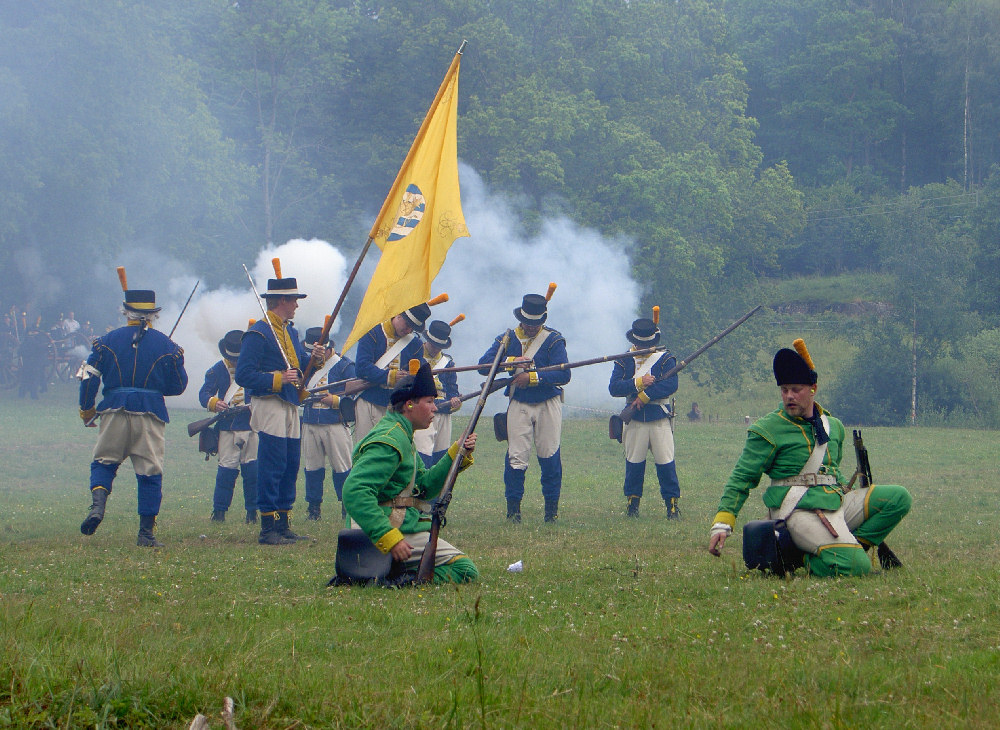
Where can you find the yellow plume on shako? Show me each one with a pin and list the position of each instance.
(800, 347)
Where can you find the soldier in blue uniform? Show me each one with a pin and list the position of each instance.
(138, 366)
(534, 413)
(635, 379)
(325, 435)
(237, 441)
(383, 355)
(433, 441)
(269, 369)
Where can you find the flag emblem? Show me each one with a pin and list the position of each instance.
(411, 211)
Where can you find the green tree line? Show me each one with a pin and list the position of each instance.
(733, 143)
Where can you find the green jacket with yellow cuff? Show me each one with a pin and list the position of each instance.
(384, 461)
(779, 445)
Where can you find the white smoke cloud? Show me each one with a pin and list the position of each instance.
(318, 268)
(485, 275)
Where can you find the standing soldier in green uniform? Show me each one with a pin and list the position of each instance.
(800, 446)
(385, 494)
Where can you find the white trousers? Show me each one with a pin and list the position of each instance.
(236, 448)
(322, 442)
(274, 416)
(540, 423)
(641, 437)
(140, 437)
(810, 534)
(366, 415)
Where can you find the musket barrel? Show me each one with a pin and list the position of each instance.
(629, 411)
(260, 303)
(425, 571)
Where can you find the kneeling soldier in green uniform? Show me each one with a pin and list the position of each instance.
(800, 447)
(388, 491)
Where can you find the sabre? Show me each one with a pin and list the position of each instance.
(174, 328)
(260, 303)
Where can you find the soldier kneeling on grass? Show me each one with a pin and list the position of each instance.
(385, 494)
(800, 446)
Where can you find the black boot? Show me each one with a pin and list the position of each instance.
(251, 517)
(551, 510)
(284, 529)
(633, 507)
(673, 511)
(99, 495)
(313, 512)
(218, 515)
(269, 534)
(146, 538)
(514, 511)
(887, 558)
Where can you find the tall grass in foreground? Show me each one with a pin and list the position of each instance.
(613, 623)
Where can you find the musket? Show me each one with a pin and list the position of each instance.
(629, 411)
(260, 303)
(884, 556)
(594, 360)
(229, 413)
(352, 386)
(443, 406)
(863, 473)
(425, 571)
(466, 368)
(174, 328)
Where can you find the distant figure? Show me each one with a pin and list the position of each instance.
(69, 325)
(34, 351)
(695, 413)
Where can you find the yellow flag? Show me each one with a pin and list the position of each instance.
(420, 218)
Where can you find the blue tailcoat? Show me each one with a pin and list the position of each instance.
(217, 384)
(316, 413)
(370, 348)
(135, 378)
(622, 385)
(552, 352)
(260, 357)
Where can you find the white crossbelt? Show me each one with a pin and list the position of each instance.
(805, 479)
(394, 351)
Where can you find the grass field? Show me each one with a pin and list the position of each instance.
(613, 623)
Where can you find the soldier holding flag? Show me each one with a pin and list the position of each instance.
(382, 357)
